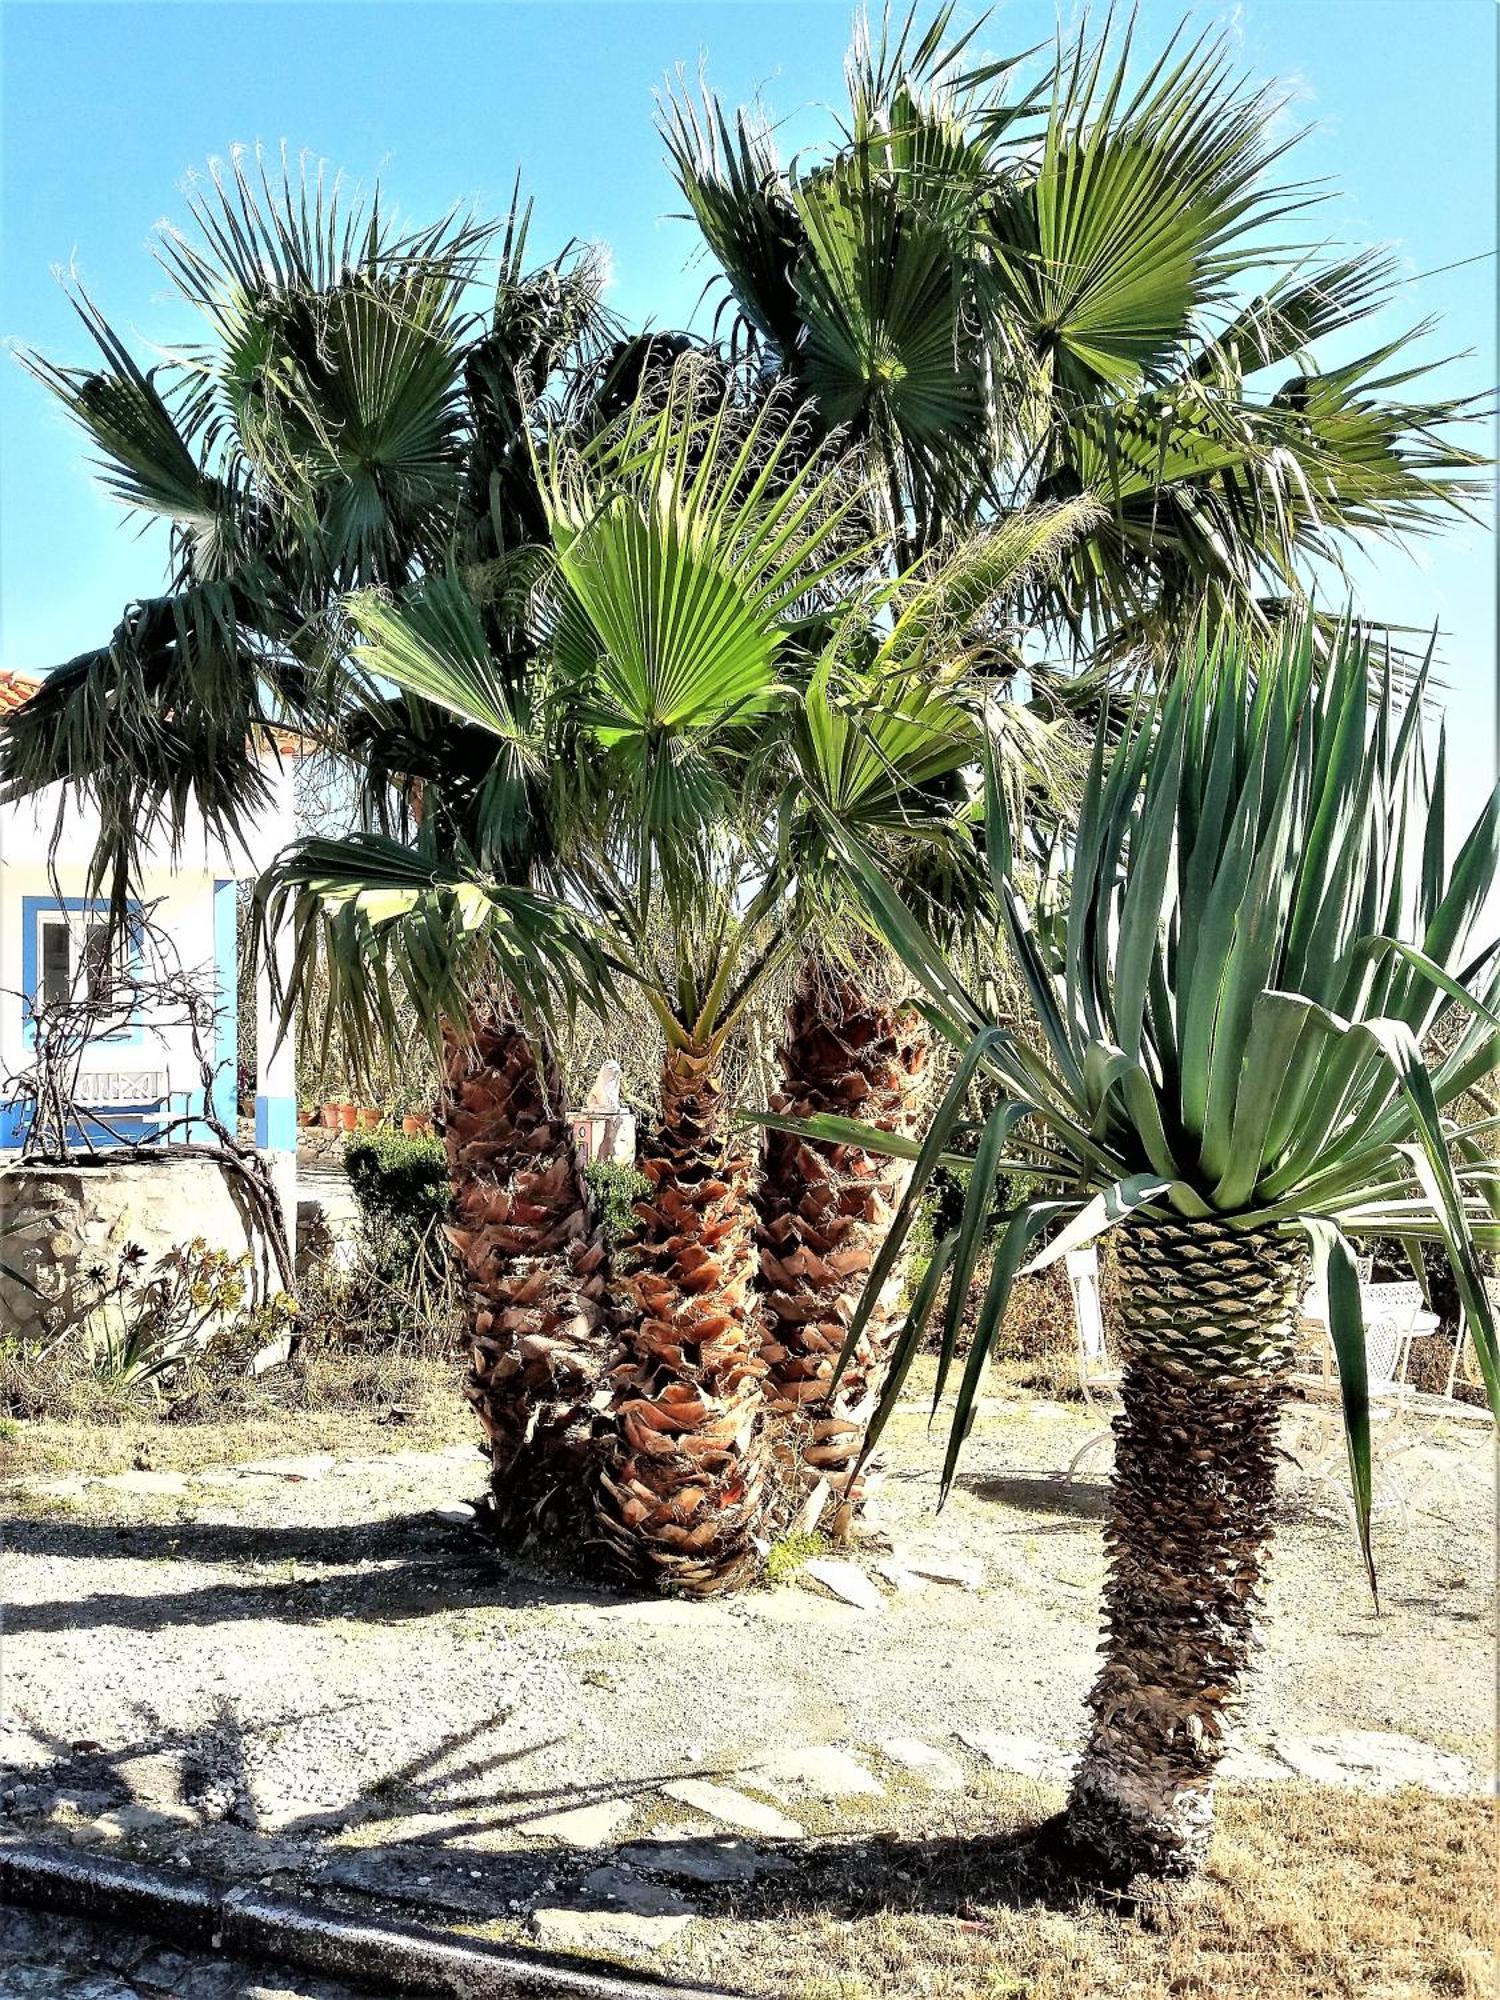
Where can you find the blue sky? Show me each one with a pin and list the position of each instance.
(107, 108)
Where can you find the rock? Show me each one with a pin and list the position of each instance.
(1245, 1765)
(604, 1930)
(935, 1768)
(317, 1466)
(1375, 1761)
(848, 1581)
(902, 1580)
(713, 1858)
(457, 1514)
(732, 1808)
(818, 1769)
(1026, 1754)
(581, 1826)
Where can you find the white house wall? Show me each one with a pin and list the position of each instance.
(194, 899)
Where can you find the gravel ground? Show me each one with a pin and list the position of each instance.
(306, 1675)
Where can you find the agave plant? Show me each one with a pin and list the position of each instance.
(1227, 1068)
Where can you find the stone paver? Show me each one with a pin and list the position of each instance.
(818, 1769)
(902, 1580)
(847, 1581)
(582, 1826)
(604, 1930)
(1376, 1761)
(1025, 1754)
(934, 1767)
(732, 1808)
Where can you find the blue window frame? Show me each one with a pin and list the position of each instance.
(57, 934)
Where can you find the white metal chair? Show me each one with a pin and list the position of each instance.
(1390, 1315)
(1098, 1377)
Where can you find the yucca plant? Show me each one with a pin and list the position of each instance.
(1227, 1068)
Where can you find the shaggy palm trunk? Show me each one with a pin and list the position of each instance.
(825, 1209)
(683, 1488)
(534, 1273)
(1206, 1331)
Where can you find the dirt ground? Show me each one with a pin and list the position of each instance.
(304, 1675)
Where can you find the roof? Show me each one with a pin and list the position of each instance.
(16, 688)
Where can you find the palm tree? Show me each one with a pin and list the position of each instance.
(1263, 933)
(1014, 293)
(716, 672)
(351, 421)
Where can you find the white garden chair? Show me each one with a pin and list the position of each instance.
(1098, 1377)
(1390, 1314)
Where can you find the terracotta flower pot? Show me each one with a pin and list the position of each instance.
(411, 1124)
(331, 1120)
(307, 1117)
(367, 1118)
(348, 1117)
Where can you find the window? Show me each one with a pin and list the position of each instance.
(75, 958)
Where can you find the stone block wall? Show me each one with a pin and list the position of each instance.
(59, 1222)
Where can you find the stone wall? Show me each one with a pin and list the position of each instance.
(57, 1223)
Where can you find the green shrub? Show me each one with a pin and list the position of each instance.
(401, 1185)
(616, 1189)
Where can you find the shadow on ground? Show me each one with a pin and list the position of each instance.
(404, 1566)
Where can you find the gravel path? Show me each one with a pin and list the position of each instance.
(304, 1674)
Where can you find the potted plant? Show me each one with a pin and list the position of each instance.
(348, 1115)
(330, 1114)
(367, 1118)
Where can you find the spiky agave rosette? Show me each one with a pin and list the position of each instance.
(533, 1264)
(683, 1484)
(851, 1050)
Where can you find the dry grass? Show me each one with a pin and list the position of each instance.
(1311, 1895)
(355, 1404)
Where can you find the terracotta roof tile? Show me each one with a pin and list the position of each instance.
(15, 688)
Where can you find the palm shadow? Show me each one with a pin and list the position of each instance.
(395, 1568)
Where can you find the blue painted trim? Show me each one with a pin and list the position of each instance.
(35, 907)
(276, 1124)
(129, 1125)
(226, 1093)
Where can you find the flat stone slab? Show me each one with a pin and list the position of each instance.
(1245, 1765)
(714, 1858)
(933, 1767)
(604, 1930)
(1373, 1761)
(1027, 1755)
(819, 1769)
(456, 1514)
(848, 1581)
(732, 1808)
(904, 1581)
(581, 1826)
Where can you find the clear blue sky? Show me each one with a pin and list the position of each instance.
(107, 108)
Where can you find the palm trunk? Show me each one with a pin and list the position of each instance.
(825, 1209)
(534, 1270)
(1206, 1331)
(683, 1488)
